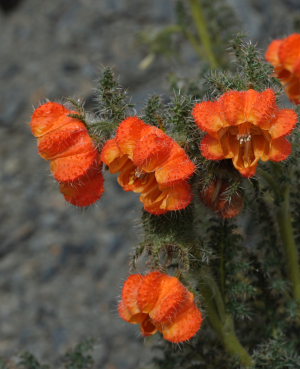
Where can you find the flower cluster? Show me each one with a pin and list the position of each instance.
(75, 161)
(159, 302)
(150, 163)
(245, 126)
(284, 55)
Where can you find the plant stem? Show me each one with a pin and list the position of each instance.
(202, 28)
(222, 323)
(271, 182)
(288, 239)
(282, 196)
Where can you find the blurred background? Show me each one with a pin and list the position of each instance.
(61, 268)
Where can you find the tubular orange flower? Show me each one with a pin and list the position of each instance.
(245, 126)
(214, 196)
(75, 161)
(159, 302)
(150, 163)
(284, 55)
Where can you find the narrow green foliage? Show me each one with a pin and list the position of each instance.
(250, 70)
(182, 124)
(168, 240)
(170, 226)
(277, 353)
(154, 112)
(80, 357)
(78, 105)
(207, 37)
(251, 64)
(113, 105)
(223, 24)
(201, 353)
(295, 200)
(231, 267)
(28, 361)
(219, 82)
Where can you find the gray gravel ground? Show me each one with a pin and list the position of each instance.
(61, 268)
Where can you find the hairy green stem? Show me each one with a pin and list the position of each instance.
(271, 182)
(288, 239)
(203, 32)
(222, 266)
(222, 322)
(282, 195)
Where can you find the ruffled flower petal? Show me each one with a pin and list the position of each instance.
(284, 55)
(172, 298)
(49, 117)
(65, 142)
(179, 167)
(150, 163)
(149, 291)
(130, 293)
(285, 122)
(252, 121)
(186, 325)
(280, 150)
(289, 51)
(208, 117)
(293, 89)
(211, 148)
(152, 150)
(159, 302)
(232, 104)
(74, 159)
(272, 54)
(85, 191)
(71, 168)
(130, 131)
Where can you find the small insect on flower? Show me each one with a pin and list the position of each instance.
(245, 126)
(159, 302)
(151, 163)
(74, 159)
(284, 55)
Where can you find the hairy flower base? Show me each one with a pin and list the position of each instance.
(284, 55)
(245, 126)
(150, 163)
(75, 161)
(215, 197)
(159, 302)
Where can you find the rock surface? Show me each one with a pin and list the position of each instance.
(61, 269)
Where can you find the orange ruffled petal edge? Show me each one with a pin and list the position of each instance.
(74, 159)
(151, 163)
(160, 302)
(245, 126)
(284, 55)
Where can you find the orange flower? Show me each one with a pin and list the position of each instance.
(284, 55)
(151, 163)
(245, 126)
(214, 196)
(75, 161)
(159, 302)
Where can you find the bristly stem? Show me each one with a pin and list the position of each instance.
(202, 28)
(282, 196)
(288, 239)
(220, 320)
